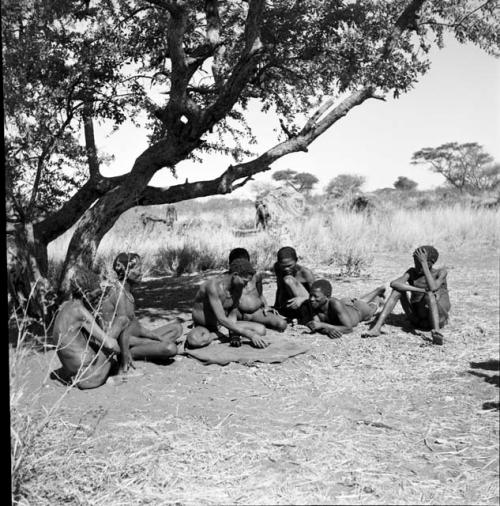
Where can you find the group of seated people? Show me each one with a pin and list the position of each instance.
(97, 333)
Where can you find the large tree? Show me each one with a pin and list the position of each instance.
(467, 167)
(299, 181)
(344, 184)
(404, 183)
(79, 61)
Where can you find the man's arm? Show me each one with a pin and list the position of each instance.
(258, 284)
(401, 284)
(308, 275)
(443, 273)
(220, 313)
(91, 326)
(279, 287)
(334, 331)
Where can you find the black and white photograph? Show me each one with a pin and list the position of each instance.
(252, 251)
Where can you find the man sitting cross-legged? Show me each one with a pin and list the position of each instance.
(216, 306)
(335, 317)
(429, 303)
(86, 352)
(252, 304)
(136, 341)
(293, 284)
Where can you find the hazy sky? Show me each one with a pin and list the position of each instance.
(457, 100)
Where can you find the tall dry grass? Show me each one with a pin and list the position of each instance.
(345, 241)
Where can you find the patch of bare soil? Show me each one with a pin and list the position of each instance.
(354, 421)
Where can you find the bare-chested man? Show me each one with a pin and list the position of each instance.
(216, 306)
(86, 352)
(136, 341)
(253, 305)
(335, 317)
(293, 284)
(429, 304)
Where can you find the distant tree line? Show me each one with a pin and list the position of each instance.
(466, 167)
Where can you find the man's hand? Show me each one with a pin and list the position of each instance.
(333, 333)
(259, 342)
(269, 310)
(111, 344)
(421, 255)
(295, 303)
(314, 325)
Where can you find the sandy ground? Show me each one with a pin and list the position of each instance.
(386, 420)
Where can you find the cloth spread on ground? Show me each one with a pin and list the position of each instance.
(222, 353)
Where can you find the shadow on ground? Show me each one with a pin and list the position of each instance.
(492, 379)
(168, 296)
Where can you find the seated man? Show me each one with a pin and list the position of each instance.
(136, 341)
(335, 317)
(252, 303)
(216, 306)
(293, 285)
(429, 303)
(86, 352)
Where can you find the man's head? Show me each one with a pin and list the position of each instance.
(432, 256)
(83, 283)
(242, 271)
(287, 260)
(321, 291)
(236, 253)
(128, 267)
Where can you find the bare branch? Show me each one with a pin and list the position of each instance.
(242, 183)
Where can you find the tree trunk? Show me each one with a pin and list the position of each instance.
(29, 289)
(99, 219)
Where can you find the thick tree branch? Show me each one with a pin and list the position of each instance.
(62, 220)
(242, 71)
(405, 21)
(321, 120)
(90, 147)
(213, 37)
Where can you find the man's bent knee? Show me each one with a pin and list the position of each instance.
(94, 381)
(169, 350)
(280, 325)
(198, 338)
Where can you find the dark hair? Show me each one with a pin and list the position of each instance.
(432, 253)
(286, 252)
(238, 253)
(122, 261)
(241, 267)
(323, 285)
(83, 282)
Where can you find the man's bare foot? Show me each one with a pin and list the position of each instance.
(437, 337)
(371, 333)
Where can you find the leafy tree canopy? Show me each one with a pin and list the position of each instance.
(344, 184)
(405, 184)
(300, 181)
(467, 167)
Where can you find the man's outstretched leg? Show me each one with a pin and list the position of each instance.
(389, 306)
